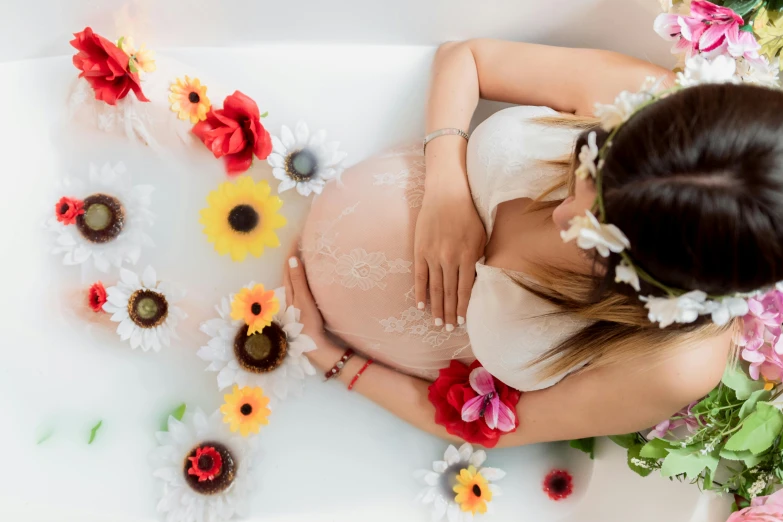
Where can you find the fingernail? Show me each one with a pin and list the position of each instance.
(449, 327)
(438, 322)
(293, 262)
(460, 321)
(421, 305)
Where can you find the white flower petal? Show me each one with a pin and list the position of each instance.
(302, 134)
(451, 456)
(278, 147)
(492, 474)
(149, 277)
(453, 513)
(465, 452)
(286, 184)
(478, 458)
(276, 160)
(287, 137)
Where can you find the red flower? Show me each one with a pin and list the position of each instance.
(97, 297)
(235, 132)
(206, 465)
(558, 484)
(106, 67)
(451, 390)
(68, 209)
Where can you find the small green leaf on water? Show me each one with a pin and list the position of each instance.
(265, 114)
(177, 413)
(46, 436)
(94, 432)
(587, 445)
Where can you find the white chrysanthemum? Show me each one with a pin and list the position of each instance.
(700, 70)
(221, 351)
(587, 157)
(683, 309)
(726, 309)
(304, 161)
(440, 482)
(625, 104)
(762, 73)
(136, 219)
(589, 233)
(181, 501)
(625, 273)
(145, 309)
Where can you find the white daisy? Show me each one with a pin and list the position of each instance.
(590, 233)
(587, 157)
(145, 309)
(191, 451)
(283, 364)
(304, 161)
(626, 273)
(113, 228)
(683, 309)
(440, 482)
(700, 70)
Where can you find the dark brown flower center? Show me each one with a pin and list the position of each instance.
(246, 409)
(147, 309)
(243, 218)
(558, 484)
(256, 308)
(263, 351)
(103, 218)
(193, 97)
(222, 480)
(301, 165)
(477, 490)
(64, 208)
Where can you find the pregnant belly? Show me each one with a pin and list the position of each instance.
(357, 248)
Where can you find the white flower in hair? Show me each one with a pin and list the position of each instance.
(625, 104)
(589, 233)
(625, 273)
(761, 73)
(727, 309)
(699, 70)
(683, 309)
(587, 157)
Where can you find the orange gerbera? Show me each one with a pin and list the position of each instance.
(189, 99)
(472, 491)
(256, 307)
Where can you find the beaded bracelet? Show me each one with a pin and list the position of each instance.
(339, 365)
(359, 374)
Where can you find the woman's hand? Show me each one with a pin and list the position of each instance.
(449, 239)
(297, 294)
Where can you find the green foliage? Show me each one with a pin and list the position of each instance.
(759, 430)
(94, 432)
(742, 385)
(625, 441)
(586, 445)
(177, 413)
(640, 465)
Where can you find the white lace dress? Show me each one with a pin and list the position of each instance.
(358, 251)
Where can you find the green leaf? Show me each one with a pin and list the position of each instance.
(177, 413)
(625, 441)
(94, 432)
(264, 115)
(708, 479)
(656, 449)
(45, 436)
(587, 445)
(750, 405)
(633, 453)
(758, 431)
(775, 5)
(132, 65)
(752, 460)
(737, 380)
(741, 7)
(691, 465)
(734, 455)
(119, 42)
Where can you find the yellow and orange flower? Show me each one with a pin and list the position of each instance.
(245, 410)
(141, 58)
(256, 306)
(189, 99)
(472, 491)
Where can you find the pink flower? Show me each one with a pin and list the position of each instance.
(487, 404)
(684, 417)
(764, 362)
(762, 509)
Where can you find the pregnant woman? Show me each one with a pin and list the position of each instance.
(457, 253)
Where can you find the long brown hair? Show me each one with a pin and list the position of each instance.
(696, 183)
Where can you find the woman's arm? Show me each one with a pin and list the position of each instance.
(603, 401)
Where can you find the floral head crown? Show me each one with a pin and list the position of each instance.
(593, 232)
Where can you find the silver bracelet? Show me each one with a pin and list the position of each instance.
(444, 132)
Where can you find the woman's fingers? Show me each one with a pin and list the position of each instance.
(467, 275)
(450, 282)
(298, 279)
(436, 293)
(421, 278)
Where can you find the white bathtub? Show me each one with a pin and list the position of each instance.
(328, 455)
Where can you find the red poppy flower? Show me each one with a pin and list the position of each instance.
(97, 297)
(235, 133)
(106, 67)
(558, 484)
(68, 209)
(206, 464)
(451, 390)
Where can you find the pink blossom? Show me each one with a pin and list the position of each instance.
(761, 509)
(764, 362)
(761, 335)
(487, 404)
(684, 417)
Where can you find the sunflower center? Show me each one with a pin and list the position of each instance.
(477, 490)
(246, 409)
(243, 218)
(261, 352)
(103, 218)
(222, 480)
(301, 165)
(193, 97)
(256, 308)
(147, 309)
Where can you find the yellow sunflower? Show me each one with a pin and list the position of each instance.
(245, 410)
(256, 307)
(472, 491)
(189, 99)
(242, 217)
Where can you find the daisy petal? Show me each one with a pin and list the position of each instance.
(451, 456)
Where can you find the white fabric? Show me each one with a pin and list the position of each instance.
(508, 326)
